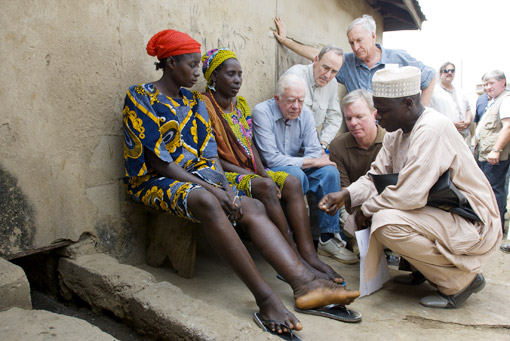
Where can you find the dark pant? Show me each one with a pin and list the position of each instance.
(496, 174)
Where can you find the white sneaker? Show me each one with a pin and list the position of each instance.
(335, 249)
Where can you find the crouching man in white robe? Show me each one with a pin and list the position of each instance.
(421, 145)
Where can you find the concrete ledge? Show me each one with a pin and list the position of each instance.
(20, 324)
(160, 310)
(14, 288)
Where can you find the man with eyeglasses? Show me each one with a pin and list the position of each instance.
(284, 131)
(451, 102)
(322, 91)
(366, 58)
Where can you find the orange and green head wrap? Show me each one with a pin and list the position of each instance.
(212, 59)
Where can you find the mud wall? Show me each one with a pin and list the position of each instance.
(66, 66)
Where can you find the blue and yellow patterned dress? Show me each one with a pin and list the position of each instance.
(176, 130)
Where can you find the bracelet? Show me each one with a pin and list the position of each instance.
(497, 150)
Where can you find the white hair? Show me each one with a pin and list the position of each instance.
(366, 21)
(496, 74)
(287, 81)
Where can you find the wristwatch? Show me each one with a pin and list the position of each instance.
(497, 150)
(324, 146)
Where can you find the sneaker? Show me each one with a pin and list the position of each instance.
(335, 249)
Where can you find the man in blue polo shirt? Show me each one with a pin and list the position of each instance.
(366, 58)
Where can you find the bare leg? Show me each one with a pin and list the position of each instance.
(293, 198)
(309, 291)
(226, 243)
(263, 189)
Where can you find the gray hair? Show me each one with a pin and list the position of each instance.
(337, 50)
(445, 64)
(287, 81)
(353, 96)
(496, 74)
(366, 21)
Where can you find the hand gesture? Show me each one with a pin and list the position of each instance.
(331, 202)
(281, 32)
(360, 219)
(278, 192)
(230, 203)
(493, 157)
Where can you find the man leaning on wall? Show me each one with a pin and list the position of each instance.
(366, 58)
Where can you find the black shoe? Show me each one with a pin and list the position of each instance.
(414, 278)
(439, 300)
(505, 248)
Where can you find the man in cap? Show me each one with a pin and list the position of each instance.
(420, 145)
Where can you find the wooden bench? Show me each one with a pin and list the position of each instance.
(173, 238)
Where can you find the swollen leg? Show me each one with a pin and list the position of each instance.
(264, 190)
(309, 291)
(298, 218)
(226, 243)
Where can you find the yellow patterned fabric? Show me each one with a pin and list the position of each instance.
(175, 130)
(212, 59)
(242, 182)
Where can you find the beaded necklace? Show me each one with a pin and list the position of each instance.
(219, 108)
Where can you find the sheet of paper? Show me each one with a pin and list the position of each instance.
(383, 274)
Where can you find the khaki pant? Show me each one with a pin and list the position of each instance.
(423, 254)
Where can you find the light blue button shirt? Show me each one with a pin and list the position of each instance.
(284, 143)
(355, 74)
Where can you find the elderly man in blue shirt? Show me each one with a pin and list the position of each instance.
(366, 58)
(287, 141)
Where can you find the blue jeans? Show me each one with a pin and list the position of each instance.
(318, 181)
(496, 174)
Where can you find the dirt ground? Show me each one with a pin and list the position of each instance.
(393, 312)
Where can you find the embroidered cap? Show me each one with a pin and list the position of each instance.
(396, 82)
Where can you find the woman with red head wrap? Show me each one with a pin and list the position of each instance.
(171, 165)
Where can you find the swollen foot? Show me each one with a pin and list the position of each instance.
(320, 293)
(323, 267)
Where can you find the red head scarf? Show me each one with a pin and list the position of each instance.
(169, 43)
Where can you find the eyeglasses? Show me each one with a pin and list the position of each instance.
(448, 71)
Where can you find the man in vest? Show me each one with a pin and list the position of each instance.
(493, 135)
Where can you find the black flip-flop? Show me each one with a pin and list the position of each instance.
(334, 311)
(284, 335)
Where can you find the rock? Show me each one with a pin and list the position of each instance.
(14, 288)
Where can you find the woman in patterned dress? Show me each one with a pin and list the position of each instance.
(171, 164)
(231, 122)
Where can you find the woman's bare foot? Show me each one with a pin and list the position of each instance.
(320, 293)
(276, 316)
(319, 265)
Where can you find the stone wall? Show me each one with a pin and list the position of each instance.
(66, 66)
